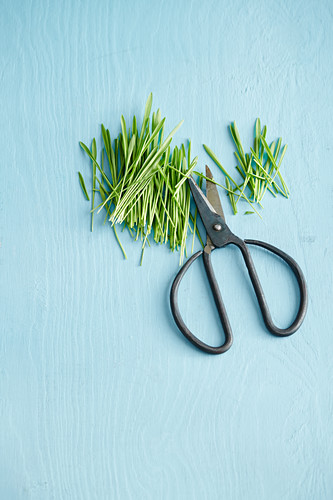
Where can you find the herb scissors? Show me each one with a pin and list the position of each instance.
(218, 236)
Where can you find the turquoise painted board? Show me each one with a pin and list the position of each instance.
(100, 395)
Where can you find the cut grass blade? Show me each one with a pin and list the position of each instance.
(83, 186)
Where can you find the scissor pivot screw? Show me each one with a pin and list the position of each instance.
(217, 227)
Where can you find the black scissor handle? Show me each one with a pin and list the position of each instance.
(280, 332)
(218, 301)
(242, 245)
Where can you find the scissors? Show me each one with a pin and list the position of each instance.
(219, 236)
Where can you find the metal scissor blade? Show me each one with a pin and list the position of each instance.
(213, 195)
(204, 206)
(214, 223)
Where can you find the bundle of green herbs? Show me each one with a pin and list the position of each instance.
(141, 183)
(259, 170)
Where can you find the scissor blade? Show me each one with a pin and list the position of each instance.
(204, 206)
(214, 223)
(213, 195)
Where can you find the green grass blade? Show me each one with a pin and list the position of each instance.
(83, 186)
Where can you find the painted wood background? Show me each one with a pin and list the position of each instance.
(100, 396)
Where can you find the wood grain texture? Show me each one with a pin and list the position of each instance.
(100, 397)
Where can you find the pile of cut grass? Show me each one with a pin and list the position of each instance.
(259, 170)
(141, 183)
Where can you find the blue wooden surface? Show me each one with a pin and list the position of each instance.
(100, 397)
